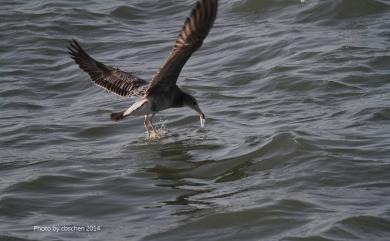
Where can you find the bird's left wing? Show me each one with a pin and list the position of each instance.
(112, 79)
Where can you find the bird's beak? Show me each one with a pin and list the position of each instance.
(202, 119)
(201, 116)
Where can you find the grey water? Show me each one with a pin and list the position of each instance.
(296, 145)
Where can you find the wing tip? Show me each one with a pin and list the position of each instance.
(73, 44)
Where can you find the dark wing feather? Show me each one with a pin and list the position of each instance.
(112, 79)
(194, 31)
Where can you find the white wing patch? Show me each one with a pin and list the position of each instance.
(141, 107)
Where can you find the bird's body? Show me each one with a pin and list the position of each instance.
(162, 92)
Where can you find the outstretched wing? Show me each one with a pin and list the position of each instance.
(194, 31)
(112, 79)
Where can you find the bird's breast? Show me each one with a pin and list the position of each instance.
(161, 102)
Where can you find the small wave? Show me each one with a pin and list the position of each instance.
(273, 154)
(329, 11)
(383, 114)
(356, 227)
(22, 106)
(314, 10)
(126, 12)
(373, 114)
(49, 183)
(333, 85)
(266, 5)
(14, 238)
(95, 132)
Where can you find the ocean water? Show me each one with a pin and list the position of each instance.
(296, 145)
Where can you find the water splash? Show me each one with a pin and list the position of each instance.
(162, 128)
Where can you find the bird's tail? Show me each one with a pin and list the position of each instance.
(117, 116)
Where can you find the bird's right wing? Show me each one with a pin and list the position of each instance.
(112, 79)
(194, 31)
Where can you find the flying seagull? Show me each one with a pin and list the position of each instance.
(162, 92)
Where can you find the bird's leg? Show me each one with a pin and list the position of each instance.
(151, 124)
(146, 124)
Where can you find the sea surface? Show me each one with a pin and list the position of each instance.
(296, 145)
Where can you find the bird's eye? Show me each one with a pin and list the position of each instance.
(194, 103)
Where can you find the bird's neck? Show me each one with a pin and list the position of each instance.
(179, 98)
